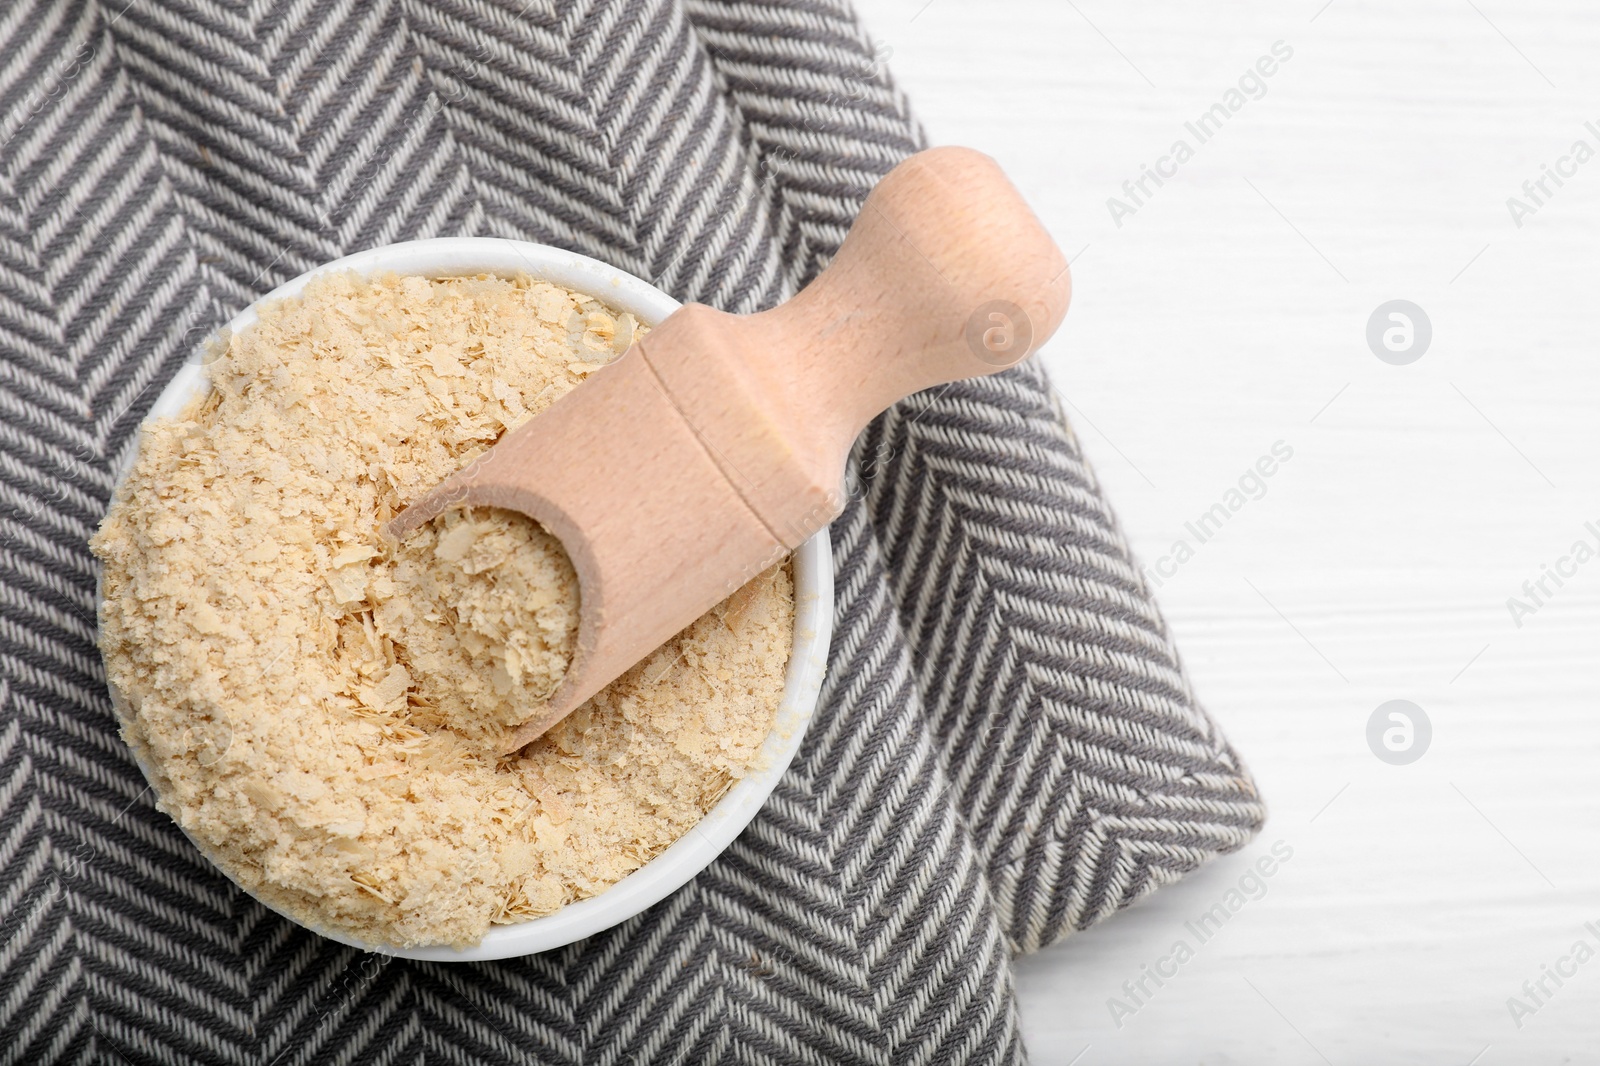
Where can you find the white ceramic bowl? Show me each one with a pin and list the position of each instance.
(813, 575)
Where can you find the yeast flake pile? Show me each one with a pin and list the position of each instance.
(318, 708)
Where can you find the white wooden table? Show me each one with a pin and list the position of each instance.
(1228, 312)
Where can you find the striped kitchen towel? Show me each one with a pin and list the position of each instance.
(1007, 751)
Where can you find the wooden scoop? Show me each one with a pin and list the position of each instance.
(717, 444)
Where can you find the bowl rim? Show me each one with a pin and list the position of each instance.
(697, 848)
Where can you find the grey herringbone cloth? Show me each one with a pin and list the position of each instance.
(1008, 749)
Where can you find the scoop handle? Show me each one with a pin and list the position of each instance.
(946, 274)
